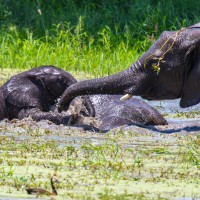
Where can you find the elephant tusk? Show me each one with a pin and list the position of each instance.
(126, 97)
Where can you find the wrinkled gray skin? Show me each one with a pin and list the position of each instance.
(111, 112)
(32, 93)
(176, 53)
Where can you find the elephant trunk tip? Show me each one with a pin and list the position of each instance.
(62, 107)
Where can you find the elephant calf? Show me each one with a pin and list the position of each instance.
(31, 93)
(111, 112)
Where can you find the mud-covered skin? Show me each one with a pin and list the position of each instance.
(170, 69)
(31, 93)
(114, 113)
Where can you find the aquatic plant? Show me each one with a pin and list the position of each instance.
(92, 165)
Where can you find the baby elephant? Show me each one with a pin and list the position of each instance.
(31, 93)
(111, 112)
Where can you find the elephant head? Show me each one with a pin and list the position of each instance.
(170, 69)
(56, 80)
(53, 79)
(37, 87)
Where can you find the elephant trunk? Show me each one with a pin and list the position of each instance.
(120, 83)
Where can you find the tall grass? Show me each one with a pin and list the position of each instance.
(95, 37)
(71, 51)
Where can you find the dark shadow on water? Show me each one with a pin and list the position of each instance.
(165, 130)
(174, 126)
(173, 130)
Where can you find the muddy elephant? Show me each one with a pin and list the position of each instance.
(170, 69)
(112, 113)
(34, 92)
(31, 93)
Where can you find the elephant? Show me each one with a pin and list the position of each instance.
(170, 69)
(34, 93)
(112, 113)
(31, 93)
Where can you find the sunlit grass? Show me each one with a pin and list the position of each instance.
(66, 51)
(81, 40)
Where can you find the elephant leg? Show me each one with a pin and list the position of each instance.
(57, 118)
(3, 112)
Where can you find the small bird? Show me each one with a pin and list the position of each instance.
(40, 191)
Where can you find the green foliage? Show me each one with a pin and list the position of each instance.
(96, 37)
(72, 51)
(139, 16)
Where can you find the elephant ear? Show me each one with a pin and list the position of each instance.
(191, 89)
(23, 91)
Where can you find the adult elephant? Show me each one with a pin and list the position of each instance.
(31, 93)
(170, 69)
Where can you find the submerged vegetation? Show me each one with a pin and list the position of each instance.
(120, 165)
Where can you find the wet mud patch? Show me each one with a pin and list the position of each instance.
(129, 162)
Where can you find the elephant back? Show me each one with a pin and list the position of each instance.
(195, 26)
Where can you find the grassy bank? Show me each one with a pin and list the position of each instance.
(67, 50)
(95, 37)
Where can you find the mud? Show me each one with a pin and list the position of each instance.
(159, 162)
(67, 134)
(20, 130)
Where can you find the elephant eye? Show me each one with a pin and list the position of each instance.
(61, 81)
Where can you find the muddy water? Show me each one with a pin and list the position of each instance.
(28, 130)
(181, 121)
(182, 124)
(171, 106)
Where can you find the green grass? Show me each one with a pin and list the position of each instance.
(67, 51)
(92, 37)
